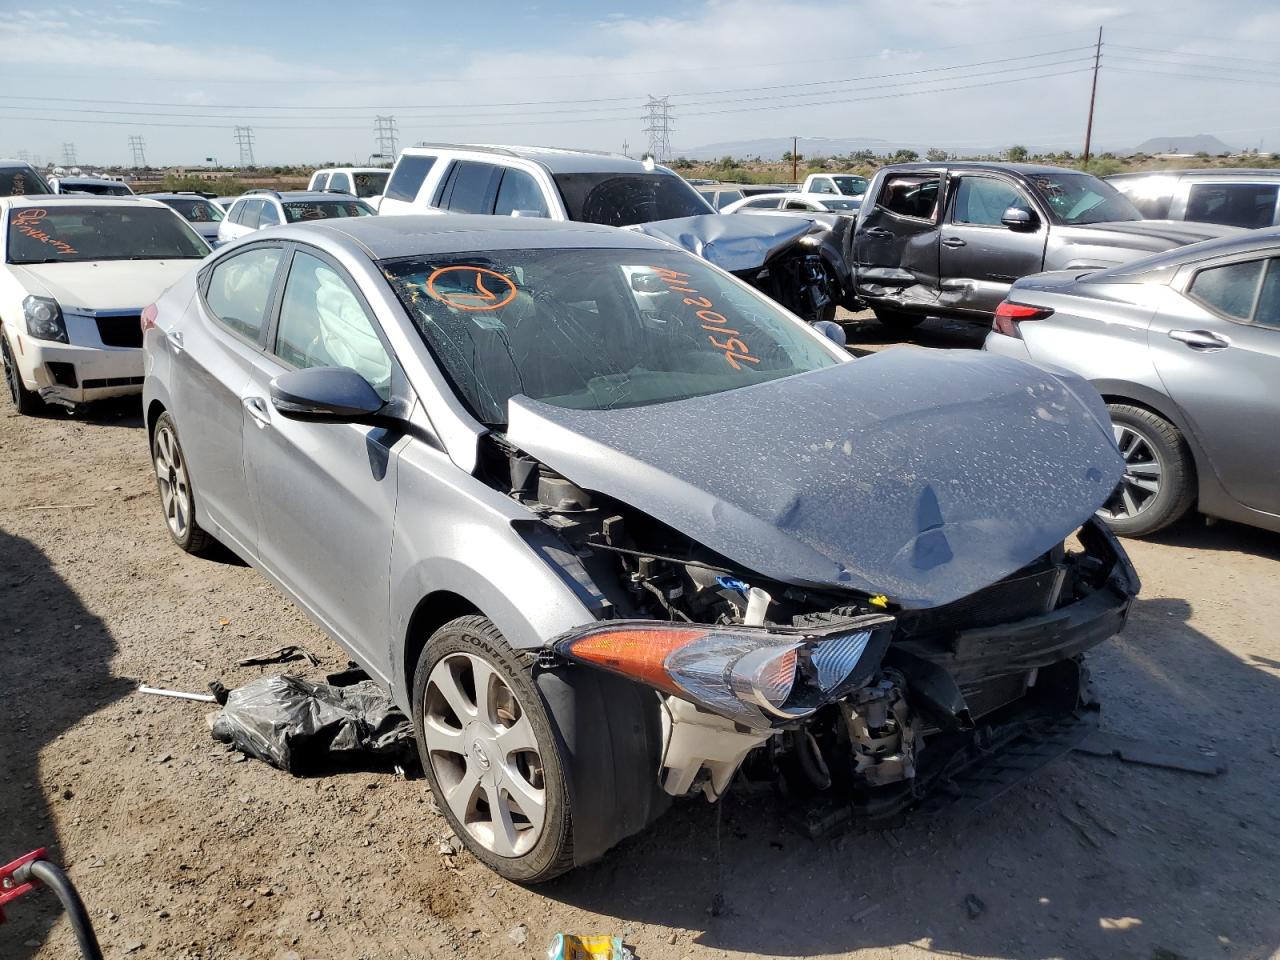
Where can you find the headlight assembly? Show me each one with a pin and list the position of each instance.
(44, 319)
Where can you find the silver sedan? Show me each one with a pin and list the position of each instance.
(1185, 348)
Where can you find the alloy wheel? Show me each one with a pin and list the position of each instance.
(1143, 471)
(171, 475)
(11, 375)
(484, 754)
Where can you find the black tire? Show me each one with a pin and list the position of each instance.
(1155, 453)
(25, 401)
(552, 853)
(898, 320)
(827, 313)
(188, 535)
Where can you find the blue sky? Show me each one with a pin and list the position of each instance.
(309, 78)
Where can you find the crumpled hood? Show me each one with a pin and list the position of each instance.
(737, 241)
(925, 476)
(102, 284)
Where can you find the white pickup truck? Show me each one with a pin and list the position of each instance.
(848, 184)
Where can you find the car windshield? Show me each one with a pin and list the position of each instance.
(101, 188)
(624, 199)
(1076, 198)
(595, 329)
(75, 234)
(838, 203)
(296, 211)
(371, 184)
(21, 181)
(195, 209)
(851, 186)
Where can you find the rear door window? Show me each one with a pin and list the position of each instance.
(520, 191)
(1249, 205)
(249, 212)
(340, 181)
(318, 181)
(470, 187)
(239, 290)
(406, 179)
(910, 195)
(268, 216)
(1230, 289)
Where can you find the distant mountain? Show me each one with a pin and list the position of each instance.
(1200, 143)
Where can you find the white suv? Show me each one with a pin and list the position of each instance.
(367, 183)
(537, 182)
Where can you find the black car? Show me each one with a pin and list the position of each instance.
(949, 239)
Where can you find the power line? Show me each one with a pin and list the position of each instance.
(1191, 53)
(1216, 68)
(1201, 77)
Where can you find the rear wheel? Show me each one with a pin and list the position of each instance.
(174, 484)
(898, 320)
(490, 752)
(1158, 485)
(24, 401)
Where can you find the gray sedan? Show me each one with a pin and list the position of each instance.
(1185, 348)
(605, 520)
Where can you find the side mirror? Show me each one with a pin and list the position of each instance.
(832, 331)
(325, 395)
(1018, 218)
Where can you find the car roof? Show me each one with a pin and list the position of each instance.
(175, 195)
(79, 179)
(1026, 169)
(425, 234)
(79, 200)
(1225, 173)
(350, 170)
(287, 195)
(554, 159)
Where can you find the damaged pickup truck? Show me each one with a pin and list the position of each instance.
(802, 264)
(614, 528)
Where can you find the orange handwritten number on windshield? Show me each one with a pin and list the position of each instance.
(26, 222)
(736, 352)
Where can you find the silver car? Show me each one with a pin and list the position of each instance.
(606, 521)
(1185, 348)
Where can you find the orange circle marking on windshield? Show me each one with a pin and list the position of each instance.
(483, 298)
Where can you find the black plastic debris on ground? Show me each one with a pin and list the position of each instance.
(305, 727)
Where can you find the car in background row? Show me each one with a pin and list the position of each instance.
(1235, 197)
(840, 184)
(367, 183)
(268, 208)
(948, 239)
(75, 275)
(20, 179)
(801, 264)
(1185, 349)
(796, 203)
(502, 462)
(720, 195)
(204, 215)
(98, 186)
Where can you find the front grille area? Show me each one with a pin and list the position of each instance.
(112, 382)
(121, 331)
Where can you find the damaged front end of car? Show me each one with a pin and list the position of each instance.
(898, 589)
(799, 262)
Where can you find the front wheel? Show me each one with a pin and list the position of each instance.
(490, 753)
(25, 401)
(174, 483)
(1158, 483)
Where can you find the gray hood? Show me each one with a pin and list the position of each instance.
(1143, 236)
(738, 241)
(923, 476)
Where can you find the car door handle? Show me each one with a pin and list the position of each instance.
(880, 233)
(257, 408)
(953, 242)
(1201, 339)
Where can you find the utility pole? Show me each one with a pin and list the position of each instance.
(385, 132)
(244, 139)
(69, 154)
(659, 123)
(795, 160)
(625, 147)
(137, 148)
(1093, 95)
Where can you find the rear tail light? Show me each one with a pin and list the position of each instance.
(756, 676)
(149, 313)
(1010, 314)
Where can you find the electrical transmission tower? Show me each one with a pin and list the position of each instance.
(658, 125)
(138, 149)
(24, 156)
(69, 154)
(244, 139)
(385, 132)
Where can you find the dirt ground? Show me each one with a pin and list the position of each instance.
(184, 850)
